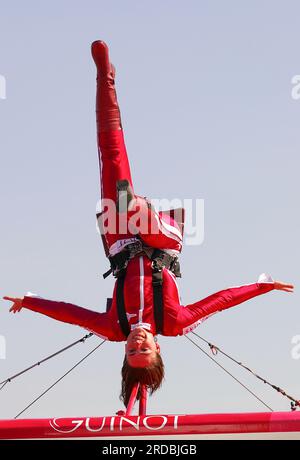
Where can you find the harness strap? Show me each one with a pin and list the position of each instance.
(158, 305)
(106, 274)
(119, 261)
(159, 261)
(123, 320)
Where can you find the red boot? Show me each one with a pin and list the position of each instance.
(100, 55)
(107, 108)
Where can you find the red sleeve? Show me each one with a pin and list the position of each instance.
(191, 315)
(98, 323)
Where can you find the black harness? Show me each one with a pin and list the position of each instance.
(159, 260)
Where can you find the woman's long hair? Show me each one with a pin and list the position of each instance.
(151, 376)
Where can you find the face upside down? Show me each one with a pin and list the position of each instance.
(142, 363)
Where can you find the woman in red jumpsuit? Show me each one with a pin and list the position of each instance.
(142, 360)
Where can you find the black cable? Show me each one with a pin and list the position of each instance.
(275, 387)
(9, 379)
(49, 388)
(216, 362)
(4, 383)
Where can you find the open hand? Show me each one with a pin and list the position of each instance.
(283, 286)
(17, 303)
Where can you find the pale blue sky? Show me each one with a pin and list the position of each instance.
(205, 95)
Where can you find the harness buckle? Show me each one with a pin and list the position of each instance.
(134, 248)
(157, 265)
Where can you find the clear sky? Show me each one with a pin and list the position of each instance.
(206, 99)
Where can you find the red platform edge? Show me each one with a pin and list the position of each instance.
(147, 425)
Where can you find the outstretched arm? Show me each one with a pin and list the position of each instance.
(99, 323)
(191, 315)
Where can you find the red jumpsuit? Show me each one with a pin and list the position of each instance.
(166, 235)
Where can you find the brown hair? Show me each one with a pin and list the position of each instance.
(151, 376)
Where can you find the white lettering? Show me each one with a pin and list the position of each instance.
(139, 221)
(87, 424)
(136, 424)
(156, 428)
(296, 89)
(296, 350)
(119, 450)
(151, 422)
(2, 87)
(112, 421)
(56, 427)
(2, 347)
(195, 232)
(176, 421)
